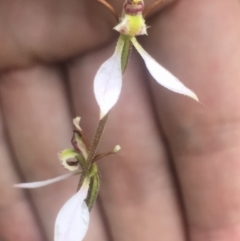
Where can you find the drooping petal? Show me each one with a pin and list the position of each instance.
(73, 219)
(161, 75)
(45, 182)
(108, 81)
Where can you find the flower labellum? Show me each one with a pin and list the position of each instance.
(68, 158)
(132, 22)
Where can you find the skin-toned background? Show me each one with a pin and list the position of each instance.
(177, 177)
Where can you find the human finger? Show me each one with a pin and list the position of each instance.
(15, 212)
(198, 42)
(38, 118)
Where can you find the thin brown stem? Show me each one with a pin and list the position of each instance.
(96, 139)
(110, 8)
(160, 4)
(94, 146)
(100, 156)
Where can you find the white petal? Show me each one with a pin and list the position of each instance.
(44, 183)
(161, 75)
(73, 219)
(108, 81)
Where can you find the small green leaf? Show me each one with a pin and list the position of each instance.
(126, 51)
(93, 187)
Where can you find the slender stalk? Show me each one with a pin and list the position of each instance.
(100, 156)
(93, 148)
(96, 140)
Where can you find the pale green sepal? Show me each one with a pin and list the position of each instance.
(93, 190)
(108, 81)
(161, 75)
(93, 187)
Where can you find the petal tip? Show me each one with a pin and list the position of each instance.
(194, 96)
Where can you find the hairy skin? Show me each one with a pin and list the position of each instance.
(177, 177)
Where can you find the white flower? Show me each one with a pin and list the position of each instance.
(108, 80)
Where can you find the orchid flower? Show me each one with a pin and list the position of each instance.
(108, 80)
(73, 218)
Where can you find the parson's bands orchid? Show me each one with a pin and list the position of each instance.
(108, 80)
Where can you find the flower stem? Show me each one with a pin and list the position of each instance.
(93, 148)
(96, 140)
